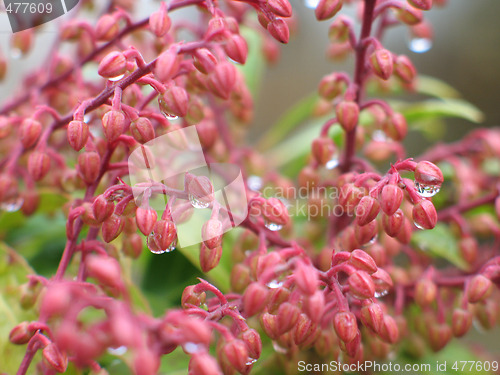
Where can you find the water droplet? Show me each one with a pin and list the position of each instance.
(254, 183)
(379, 136)
(373, 240)
(311, 4)
(153, 246)
(418, 225)
(196, 203)
(278, 348)
(273, 227)
(427, 191)
(12, 205)
(117, 78)
(162, 104)
(381, 293)
(87, 118)
(332, 163)
(121, 350)
(191, 347)
(274, 284)
(420, 45)
(16, 53)
(250, 361)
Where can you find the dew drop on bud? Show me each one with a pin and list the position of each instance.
(117, 78)
(273, 227)
(420, 45)
(381, 293)
(250, 361)
(427, 191)
(12, 205)
(121, 350)
(191, 347)
(16, 53)
(379, 136)
(153, 246)
(278, 348)
(332, 163)
(196, 203)
(418, 225)
(311, 4)
(254, 183)
(162, 104)
(372, 241)
(274, 284)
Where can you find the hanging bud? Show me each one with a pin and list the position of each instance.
(254, 299)
(326, 9)
(410, 15)
(279, 30)
(209, 257)
(114, 64)
(165, 234)
(146, 218)
(306, 278)
(367, 233)
(421, 4)
(240, 277)
(222, 80)
(269, 324)
(132, 245)
(236, 48)
(78, 134)
(425, 292)
(439, 336)
(361, 285)
(275, 211)
(106, 28)
(391, 197)
(281, 8)
(204, 60)
(236, 353)
(200, 190)
(424, 214)
(38, 165)
(479, 289)
(330, 86)
(89, 164)
(350, 196)
(392, 224)
(30, 132)
(54, 359)
(191, 297)
(381, 63)
(113, 123)
(112, 227)
(362, 261)
(102, 208)
(202, 363)
(372, 316)
(159, 21)
(212, 232)
(314, 306)
(389, 331)
(288, 314)
(142, 130)
(167, 65)
(22, 41)
(347, 114)
(345, 326)
(323, 149)
(367, 210)
(253, 342)
(305, 331)
(404, 69)
(461, 321)
(395, 126)
(427, 173)
(21, 334)
(104, 269)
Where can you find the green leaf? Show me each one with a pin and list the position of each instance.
(439, 243)
(295, 116)
(254, 66)
(435, 87)
(438, 108)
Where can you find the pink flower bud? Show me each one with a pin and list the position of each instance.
(236, 48)
(306, 278)
(253, 342)
(146, 218)
(461, 322)
(102, 208)
(305, 331)
(54, 359)
(146, 362)
(105, 270)
(142, 130)
(3, 67)
(167, 65)
(175, 101)
(159, 21)
(191, 297)
(381, 63)
(424, 214)
(165, 233)
(254, 299)
(439, 336)
(112, 227)
(314, 306)
(275, 211)
(202, 363)
(114, 64)
(236, 353)
(89, 164)
(279, 30)
(113, 123)
(106, 28)
(350, 196)
(362, 261)
(347, 114)
(361, 285)
(212, 232)
(427, 173)
(132, 246)
(330, 86)
(38, 165)
(382, 280)
(204, 60)
(367, 210)
(372, 316)
(200, 189)
(339, 29)
(393, 224)
(389, 331)
(21, 334)
(209, 257)
(269, 324)
(367, 233)
(479, 289)
(240, 277)
(404, 69)
(425, 292)
(22, 41)
(345, 326)
(30, 132)
(326, 9)
(222, 80)
(56, 299)
(409, 15)
(421, 4)
(395, 126)
(78, 134)
(288, 314)
(391, 197)
(281, 8)
(323, 149)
